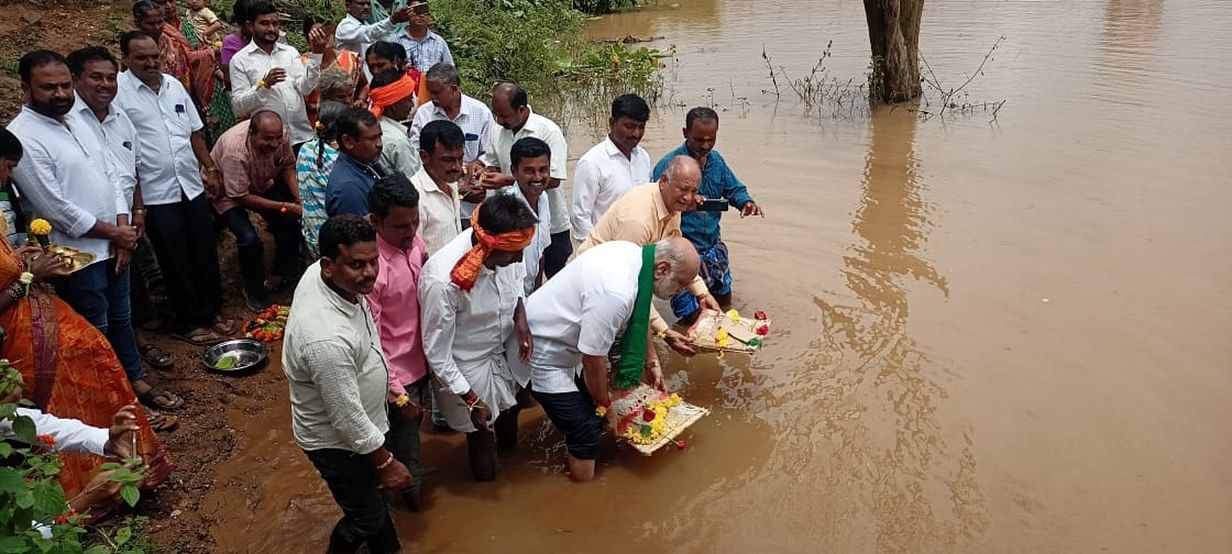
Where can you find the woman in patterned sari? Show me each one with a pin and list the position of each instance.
(67, 365)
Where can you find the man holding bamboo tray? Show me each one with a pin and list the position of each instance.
(576, 318)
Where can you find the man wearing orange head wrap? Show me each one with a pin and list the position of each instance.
(392, 101)
(471, 290)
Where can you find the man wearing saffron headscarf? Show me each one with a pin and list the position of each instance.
(393, 101)
(471, 291)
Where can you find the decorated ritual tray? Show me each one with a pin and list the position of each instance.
(73, 258)
(649, 419)
(729, 332)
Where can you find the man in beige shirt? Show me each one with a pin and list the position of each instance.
(440, 150)
(649, 213)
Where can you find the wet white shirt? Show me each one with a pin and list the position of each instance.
(251, 64)
(581, 310)
(601, 177)
(532, 255)
(465, 332)
(66, 178)
(165, 121)
(497, 153)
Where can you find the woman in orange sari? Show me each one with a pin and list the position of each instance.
(68, 367)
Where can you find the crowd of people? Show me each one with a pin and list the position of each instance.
(447, 272)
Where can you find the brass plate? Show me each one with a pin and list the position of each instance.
(74, 258)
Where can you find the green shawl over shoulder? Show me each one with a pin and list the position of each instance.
(637, 333)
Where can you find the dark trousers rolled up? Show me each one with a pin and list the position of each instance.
(365, 515)
(183, 238)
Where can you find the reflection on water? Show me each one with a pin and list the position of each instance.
(891, 226)
(1127, 51)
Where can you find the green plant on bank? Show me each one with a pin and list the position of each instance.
(540, 45)
(603, 6)
(536, 43)
(31, 497)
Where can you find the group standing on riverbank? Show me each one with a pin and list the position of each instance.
(439, 235)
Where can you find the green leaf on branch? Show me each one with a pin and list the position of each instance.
(123, 535)
(49, 498)
(23, 427)
(130, 494)
(25, 499)
(13, 544)
(11, 480)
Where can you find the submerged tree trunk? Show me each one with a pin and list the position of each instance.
(894, 34)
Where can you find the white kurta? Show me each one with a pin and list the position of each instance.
(464, 333)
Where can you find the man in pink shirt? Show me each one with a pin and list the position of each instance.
(394, 213)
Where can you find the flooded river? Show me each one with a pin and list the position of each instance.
(1007, 336)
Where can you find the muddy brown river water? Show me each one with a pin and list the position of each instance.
(1009, 336)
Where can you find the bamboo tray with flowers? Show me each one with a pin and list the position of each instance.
(729, 332)
(649, 419)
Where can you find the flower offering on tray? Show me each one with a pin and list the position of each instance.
(648, 418)
(729, 332)
(268, 325)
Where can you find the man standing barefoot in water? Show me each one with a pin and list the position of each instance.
(576, 318)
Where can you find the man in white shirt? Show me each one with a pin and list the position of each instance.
(472, 116)
(471, 293)
(514, 121)
(576, 318)
(440, 150)
(339, 380)
(173, 200)
(612, 167)
(532, 160)
(67, 178)
(268, 75)
(355, 35)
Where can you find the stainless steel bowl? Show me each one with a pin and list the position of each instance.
(250, 355)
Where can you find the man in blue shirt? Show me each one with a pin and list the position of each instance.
(701, 130)
(359, 145)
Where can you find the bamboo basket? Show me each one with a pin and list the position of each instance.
(740, 333)
(679, 417)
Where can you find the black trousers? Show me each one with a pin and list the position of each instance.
(148, 290)
(183, 238)
(557, 253)
(286, 230)
(365, 515)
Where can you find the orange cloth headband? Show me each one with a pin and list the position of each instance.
(466, 271)
(388, 95)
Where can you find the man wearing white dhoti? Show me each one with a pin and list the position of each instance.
(470, 296)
